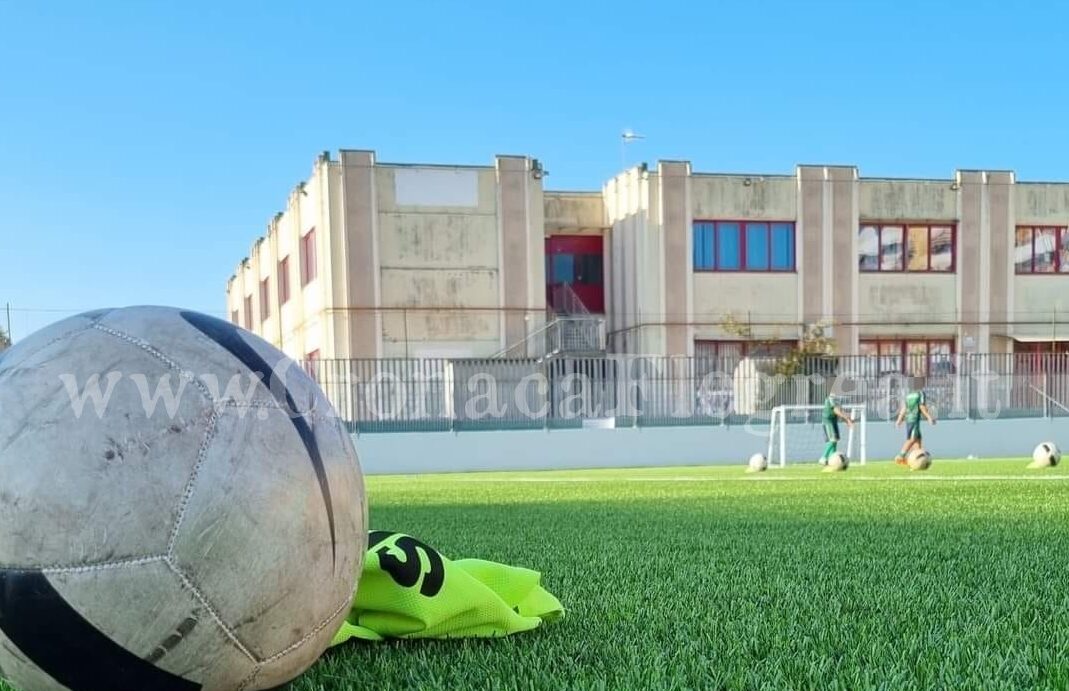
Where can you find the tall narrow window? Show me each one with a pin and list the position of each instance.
(308, 257)
(284, 281)
(265, 299)
(248, 312)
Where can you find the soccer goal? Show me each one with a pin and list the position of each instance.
(797, 434)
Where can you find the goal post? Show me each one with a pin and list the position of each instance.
(796, 434)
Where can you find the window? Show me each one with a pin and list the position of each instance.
(248, 312)
(234, 319)
(284, 281)
(588, 269)
(734, 350)
(743, 246)
(308, 257)
(1041, 250)
(914, 357)
(563, 268)
(914, 247)
(265, 299)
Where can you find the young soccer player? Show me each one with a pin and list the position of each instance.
(911, 411)
(831, 415)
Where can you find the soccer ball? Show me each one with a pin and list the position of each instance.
(837, 461)
(167, 519)
(1046, 455)
(757, 464)
(919, 459)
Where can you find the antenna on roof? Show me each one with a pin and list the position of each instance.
(626, 137)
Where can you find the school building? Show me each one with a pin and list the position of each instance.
(383, 260)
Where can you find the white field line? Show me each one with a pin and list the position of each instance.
(763, 478)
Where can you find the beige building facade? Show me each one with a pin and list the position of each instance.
(377, 260)
(373, 260)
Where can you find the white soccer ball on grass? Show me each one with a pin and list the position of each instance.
(1045, 455)
(837, 462)
(758, 463)
(919, 459)
(179, 508)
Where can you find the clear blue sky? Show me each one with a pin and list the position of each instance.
(143, 146)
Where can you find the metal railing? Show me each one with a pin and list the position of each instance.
(465, 394)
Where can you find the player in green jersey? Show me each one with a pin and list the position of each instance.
(913, 408)
(830, 416)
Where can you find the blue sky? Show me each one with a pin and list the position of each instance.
(143, 146)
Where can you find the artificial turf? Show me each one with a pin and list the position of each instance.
(712, 578)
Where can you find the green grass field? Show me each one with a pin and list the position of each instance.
(711, 578)
(707, 577)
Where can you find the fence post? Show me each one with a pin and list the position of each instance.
(969, 376)
(1046, 393)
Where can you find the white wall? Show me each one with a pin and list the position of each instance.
(437, 452)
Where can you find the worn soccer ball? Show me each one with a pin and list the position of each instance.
(1046, 455)
(757, 463)
(167, 519)
(919, 459)
(837, 461)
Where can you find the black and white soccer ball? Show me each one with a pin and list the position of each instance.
(836, 462)
(1046, 455)
(757, 463)
(179, 508)
(919, 459)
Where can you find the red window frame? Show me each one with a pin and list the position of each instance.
(1041, 347)
(309, 268)
(248, 312)
(265, 299)
(1060, 233)
(742, 246)
(903, 353)
(905, 227)
(747, 349)
(284, 281)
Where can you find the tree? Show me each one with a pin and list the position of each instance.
(811, 352)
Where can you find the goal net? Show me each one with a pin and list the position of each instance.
(797, 434)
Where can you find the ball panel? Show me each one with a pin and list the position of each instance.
(221, 356)
(263, 469)
(149, 612)
(15, 356)
(60, 469)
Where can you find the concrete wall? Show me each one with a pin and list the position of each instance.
(439, 260)
(668, 446)
(897, 305)
(574, 213)
(636, 309)
(907, 200)
(302, 324)
(749, 197)
(765, 300)
(412, 261)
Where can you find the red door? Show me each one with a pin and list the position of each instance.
(575, 262)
